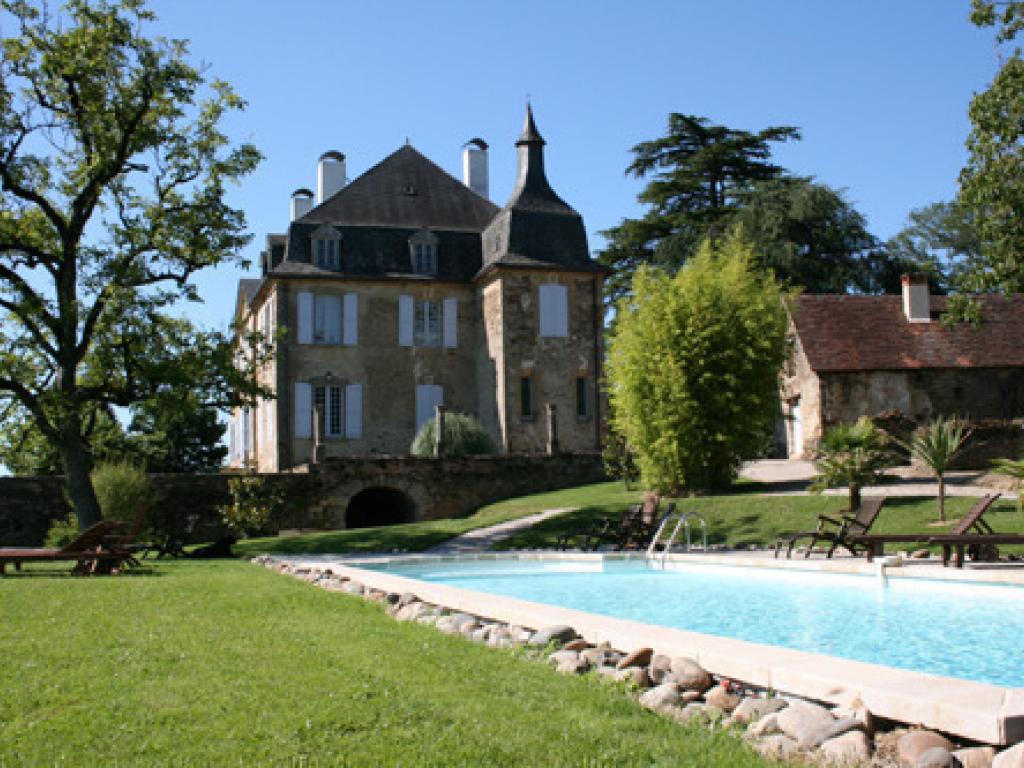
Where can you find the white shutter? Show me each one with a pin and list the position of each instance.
(354, 410)
(303, 409)
(331, 318)
(554, 310)
(405, 320)
(451, 322)
(305, 315)
(351, 325)
(427, 397)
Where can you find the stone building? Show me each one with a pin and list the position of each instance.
(406, 289)
(870, 356)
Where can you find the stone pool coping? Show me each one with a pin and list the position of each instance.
(979, 711)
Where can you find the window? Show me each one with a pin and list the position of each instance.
(554, 310)
(582, 398)
(428, 397)
(424, 259)
(423, 252)
(526, 397)
(328, 404)
(326, 252)
(321, 316)
(427, 324)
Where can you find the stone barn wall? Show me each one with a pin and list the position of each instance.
(319, 498)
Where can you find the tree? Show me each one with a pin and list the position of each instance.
(810, 236)
(24, 450)
(940, 240)
(175, 432)
(992, 182)
(700, 174)
(851, 455)
(693, 365)
(935, 446)
(113, 169)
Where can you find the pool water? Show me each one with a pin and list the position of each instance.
(971, 631)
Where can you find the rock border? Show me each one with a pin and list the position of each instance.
(776, 725)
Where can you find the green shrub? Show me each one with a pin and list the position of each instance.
(121, 488)
(853, 455)
(463, 436)
(253, 501)
(62, 532)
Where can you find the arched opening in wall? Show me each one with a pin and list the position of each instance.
(379, 506)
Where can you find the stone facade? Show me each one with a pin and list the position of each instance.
(479, 329)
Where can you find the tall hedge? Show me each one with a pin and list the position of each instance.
(693, 367)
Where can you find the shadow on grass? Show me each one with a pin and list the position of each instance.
(36, 572)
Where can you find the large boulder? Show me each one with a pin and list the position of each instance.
(975, 757)
(1010, 758)
(557, 634)
(660, 667)
(641, 657)
(689, 675)
(721, 698)
(851, 748)
(912, 745)
(753, 708)
(937, 757)
(818, 734)
(802, 718)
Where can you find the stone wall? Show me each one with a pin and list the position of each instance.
(320, 498)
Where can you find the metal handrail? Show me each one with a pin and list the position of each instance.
(682, 520)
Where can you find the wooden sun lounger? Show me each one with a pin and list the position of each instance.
(89, 550)
(874, 544)
(846, 531)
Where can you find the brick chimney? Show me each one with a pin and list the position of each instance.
(916, 301)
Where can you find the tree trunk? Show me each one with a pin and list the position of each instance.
(942, 498)
(79, 484)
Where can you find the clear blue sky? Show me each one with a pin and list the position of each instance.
(879, 89)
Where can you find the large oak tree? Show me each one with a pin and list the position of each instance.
(114, 167)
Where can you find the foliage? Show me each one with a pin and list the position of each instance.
(618, 460)
(810, 236)
(700, 172)
(990, 183)
(121, 489)
(935, 446)
(24, 450)
(114, 169)
(464, 435)
(62, 532)
(175, 432)
(1015, 469)
(940, 240)
(693, 364)
(851, 455)
(253, 501)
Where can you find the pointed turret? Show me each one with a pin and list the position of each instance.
(536, 227)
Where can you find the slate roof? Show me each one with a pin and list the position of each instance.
(871, 333)
(248, 287)
(405, 190)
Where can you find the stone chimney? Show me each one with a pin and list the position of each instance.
(330, 175)
(302, 203)
(474, 166)
(916, 301)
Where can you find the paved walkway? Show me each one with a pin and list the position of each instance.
(481, 539)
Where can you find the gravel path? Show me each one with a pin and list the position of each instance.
(481, 539)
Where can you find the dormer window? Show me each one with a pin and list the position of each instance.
(423, 252)
(326, 247)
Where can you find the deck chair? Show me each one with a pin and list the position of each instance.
(607, 529)
(89, 550)
(971, 525)
(844, 531)
(126, 543)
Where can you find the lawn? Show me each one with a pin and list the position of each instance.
(225, 663)
(743, 518)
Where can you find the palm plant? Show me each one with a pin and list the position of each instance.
(1014, 469)
(935, 446)
(853, 455)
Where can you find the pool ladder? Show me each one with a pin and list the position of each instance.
(682, 521)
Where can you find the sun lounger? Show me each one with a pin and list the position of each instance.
(970, 526)
(844, 531)
(90, 550)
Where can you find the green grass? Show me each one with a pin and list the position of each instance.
(225, 663)
(416, 537)
(750, 519)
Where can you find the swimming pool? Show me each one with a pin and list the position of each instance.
(955, 629)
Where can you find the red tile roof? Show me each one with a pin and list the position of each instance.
(871, 333)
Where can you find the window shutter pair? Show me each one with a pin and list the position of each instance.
(450, 321)
(304, 410)
(320, 318)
